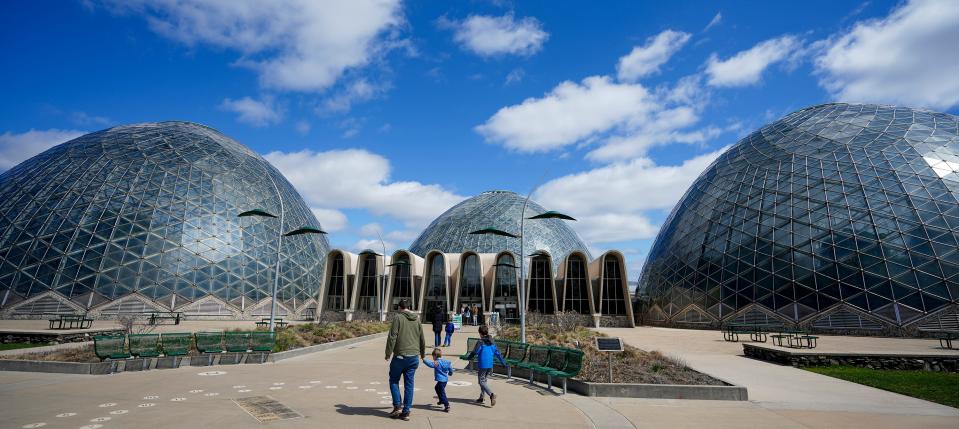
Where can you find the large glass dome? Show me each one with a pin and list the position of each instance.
(151, 209)
(450, 232)
(836, 216)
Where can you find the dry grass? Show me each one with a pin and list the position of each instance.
(309, 334)
(630, 366)
(73, 354)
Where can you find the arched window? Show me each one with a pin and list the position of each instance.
(435, 286)
(613, 301)
(336, 290)
(505, 299)
(402, 282)
(540, 286)
(368, 284)
(575, 297)
(471, 285)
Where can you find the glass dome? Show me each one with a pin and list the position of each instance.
(835, 216)
(450, 232)
(151, 209)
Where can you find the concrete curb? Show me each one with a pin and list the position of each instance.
(144, 364)
(276, 357)
(645, 391)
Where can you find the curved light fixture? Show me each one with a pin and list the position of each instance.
(552, 215)
(305, 230)
(494, 231)
(257, 212)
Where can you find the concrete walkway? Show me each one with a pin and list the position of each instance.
(784, 394)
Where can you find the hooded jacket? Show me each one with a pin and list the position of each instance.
(406, 336)
(486, 350)
(442, 369)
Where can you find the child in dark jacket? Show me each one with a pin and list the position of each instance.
(450, 328)
(442, 370)
(486, 350)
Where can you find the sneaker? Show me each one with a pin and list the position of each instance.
(404, 416)
(480, 400)
(492, 400)
(439, 402)
(446, 410)
(396, 412)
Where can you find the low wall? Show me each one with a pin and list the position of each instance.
(636, 390)
(54, 337)
(168, 362)
(801, 359)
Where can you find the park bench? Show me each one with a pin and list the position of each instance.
(144, 345)
(70, 321)
(514, 355)
(470, 345)
(262, 341)
(537, 357)
(503, 346)
(786, 334)
(237, 342)
(945, 338)
(803, 341)
(209, 342)
(265, 322)
(176, 343)
(110, 347)
(573, 364)
(155, 318)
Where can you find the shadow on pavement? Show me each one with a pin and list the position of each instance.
(364, 411)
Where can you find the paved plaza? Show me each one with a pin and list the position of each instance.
(347, 387)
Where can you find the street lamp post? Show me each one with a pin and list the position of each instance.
(380, 298)
(522, 254)
(279, 251)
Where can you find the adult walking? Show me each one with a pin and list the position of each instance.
(439, 323)
(486, 350)
(403, 344)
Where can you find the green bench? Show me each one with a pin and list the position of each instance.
(176, 343)
(237, 342)
(70, 321)
(144, 345)
(209, 342)
(110, 347)
(155, 318)
(515, 354)
(572, 365)
(265, 323)
(537, 357)
(262, 341)
(470, 345)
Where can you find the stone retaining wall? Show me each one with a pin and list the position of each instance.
(885, 361)
(53, 337)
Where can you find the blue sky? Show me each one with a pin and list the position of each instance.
(385, 113)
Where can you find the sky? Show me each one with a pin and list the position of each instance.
(383, 114)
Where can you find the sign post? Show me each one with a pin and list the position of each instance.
(609, 345)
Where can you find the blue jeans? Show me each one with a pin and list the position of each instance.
(449, 339)
(441, 393)
(436, 341)
(481, 375)
(407, 368)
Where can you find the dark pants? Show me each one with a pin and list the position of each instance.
(448, 340)
(436, 340)
(441, 393)
(481, 375)
(405, 367)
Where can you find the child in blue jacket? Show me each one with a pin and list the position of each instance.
(486, 350)
(442, 370)
(450, 328)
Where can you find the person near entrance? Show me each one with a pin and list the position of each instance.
(404, 343)
(439, 323)
(475, 314)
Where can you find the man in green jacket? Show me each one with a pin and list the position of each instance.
(403, 344)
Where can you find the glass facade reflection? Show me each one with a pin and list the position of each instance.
(837, 215)
(151, 209)
(450, 232)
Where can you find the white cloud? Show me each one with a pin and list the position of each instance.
(746, 67)
(296, 45)
(16, 148)
(717, 19)
(303, 127)
(646, 60)
(497, 35)
(371, 229)
(623, 119)
(357, 179)
(357, 91)
(611, 202)
(909, 57)
(375, 245)
(332, 220)
(258, 113)
(515, 76)
(567, 114)
(84, 119)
